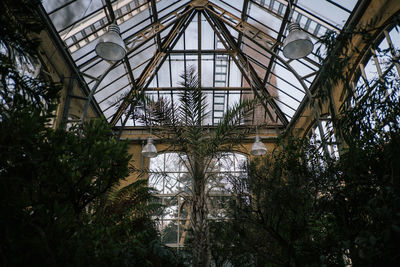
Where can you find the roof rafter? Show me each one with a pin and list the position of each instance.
(155, 17)
(239, 25)
(242, 62)
(141, 37)
(154, 64)
(275, 47)
(243, 17)
(246, 53)
(245, 74)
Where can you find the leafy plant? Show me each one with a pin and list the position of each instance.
(276, 211)
(302, 209)
(184, 126)
(56, 206)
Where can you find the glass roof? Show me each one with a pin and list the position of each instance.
(234, 45)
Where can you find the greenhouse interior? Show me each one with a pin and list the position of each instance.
(200, 133)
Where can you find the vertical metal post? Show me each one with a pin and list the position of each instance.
(67, 103)
(199, 48)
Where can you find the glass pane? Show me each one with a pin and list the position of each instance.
(191, 35)
(172, 162)
(207, 35)
(326, 10)
(157, 163)
(156, 181)
(371, 70)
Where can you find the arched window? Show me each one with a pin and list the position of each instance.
(169, 176)
(380, 62)
(381, 59)
(377, 81)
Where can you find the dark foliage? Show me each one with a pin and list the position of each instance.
(60, 202)
(298, 208)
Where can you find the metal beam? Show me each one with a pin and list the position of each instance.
(275, 48)
(242, 62)
(248, 30)
(151, 67)
(203, 52)
(94, 88)
(142, 36)
(90, 76)
(67, 102)
(209, 10)
(199, 76)
(155, 28)
(135, 88)
(239, 25)
(70, 62)
(126, 64)
(339, 6)
(93, 91)
(243, 18)
(110, 10)
(179, 89)
(354, 18)
(155, 17)
(242, 69)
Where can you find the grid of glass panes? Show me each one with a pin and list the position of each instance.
(169, 176)
(80, 23)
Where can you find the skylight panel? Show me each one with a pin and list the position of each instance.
(327, 11)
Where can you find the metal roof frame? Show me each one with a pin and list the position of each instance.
(241, 32)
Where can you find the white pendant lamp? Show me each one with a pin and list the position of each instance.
(297, 44)
(258, 148)
(149, 150)
(110, 45)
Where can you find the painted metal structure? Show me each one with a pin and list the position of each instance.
(236, 47)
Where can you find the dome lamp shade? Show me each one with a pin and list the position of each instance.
(298, 43)
(258, 148)
(110, 45)
(149, 150)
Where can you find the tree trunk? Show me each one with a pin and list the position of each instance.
(199, 223)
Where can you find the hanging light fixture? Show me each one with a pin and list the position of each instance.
(297, 43)
(110, 45)
(149, 150)
(258, 148)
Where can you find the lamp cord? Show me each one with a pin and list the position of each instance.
(291, 10)
(151, 109)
